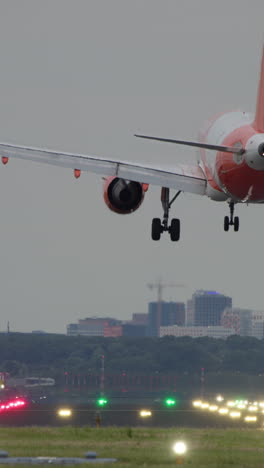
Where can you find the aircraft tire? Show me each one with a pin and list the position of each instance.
(226, 223)
(236, 223)
(175, 229)
(156, 229)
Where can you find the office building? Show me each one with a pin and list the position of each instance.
(189, 320)
(139, 319)
(113, 331)
(133, 330)
(208, 307)
(197, 332)
(246, 322)
(238, 319)
(163, 314)
(94, 326)
(257, 324)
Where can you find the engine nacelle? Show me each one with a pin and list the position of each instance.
(123, 196)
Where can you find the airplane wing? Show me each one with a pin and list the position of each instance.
(188, 178)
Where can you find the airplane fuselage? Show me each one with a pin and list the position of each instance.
(232, 176)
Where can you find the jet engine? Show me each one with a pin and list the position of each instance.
(123, 196)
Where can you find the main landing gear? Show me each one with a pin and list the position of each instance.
(158, 226)
(231, 220)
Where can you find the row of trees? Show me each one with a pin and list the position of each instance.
(52, 355)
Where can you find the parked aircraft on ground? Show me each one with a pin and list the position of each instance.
(229, 167)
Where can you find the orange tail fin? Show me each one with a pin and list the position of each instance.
(258, 123)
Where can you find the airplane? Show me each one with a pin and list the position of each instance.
(229, 168)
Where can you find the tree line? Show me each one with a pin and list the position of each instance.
(51, 355)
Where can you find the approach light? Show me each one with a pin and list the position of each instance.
(251, 419)
(205, 405)
(219, 398)
(64, 412)
(223, 411)
(196, 403)
(213, 408)
(231, 403)
(252, 408)
(235, 414)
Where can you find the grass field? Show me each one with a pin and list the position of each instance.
(140, 447)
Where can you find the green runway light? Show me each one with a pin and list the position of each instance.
(170, 402)
(102, 401)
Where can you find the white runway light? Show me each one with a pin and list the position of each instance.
(145, 413)
(179, 448)
(64, 412)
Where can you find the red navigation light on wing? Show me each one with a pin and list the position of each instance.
(5, 160)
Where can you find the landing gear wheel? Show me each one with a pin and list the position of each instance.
(226, 223)
(231, 220)
(159, 226)
(175, 229)
(236, 223)
(156, 229)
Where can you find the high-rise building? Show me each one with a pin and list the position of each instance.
(208, 307)
(163, 314)
(189, 313)
(238, 319)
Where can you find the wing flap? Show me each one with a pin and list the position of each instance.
(188, 178)
(179, 181)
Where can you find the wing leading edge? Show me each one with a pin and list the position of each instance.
(188, 178)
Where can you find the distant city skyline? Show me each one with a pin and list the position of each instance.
(208, 313)
(142, 313)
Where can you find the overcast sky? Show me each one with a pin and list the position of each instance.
(84, 75)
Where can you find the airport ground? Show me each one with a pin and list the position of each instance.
(118, 431)
(140, 446)
(126, 411)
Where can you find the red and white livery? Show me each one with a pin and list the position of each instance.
(229, 167)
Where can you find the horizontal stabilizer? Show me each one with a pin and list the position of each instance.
(224, 149)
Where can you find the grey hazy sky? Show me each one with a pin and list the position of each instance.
(84, 75)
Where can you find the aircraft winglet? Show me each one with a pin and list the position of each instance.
(258, 123)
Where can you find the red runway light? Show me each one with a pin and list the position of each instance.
(13, 404)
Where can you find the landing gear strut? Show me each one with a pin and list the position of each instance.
(158, 226)
(231, 220)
